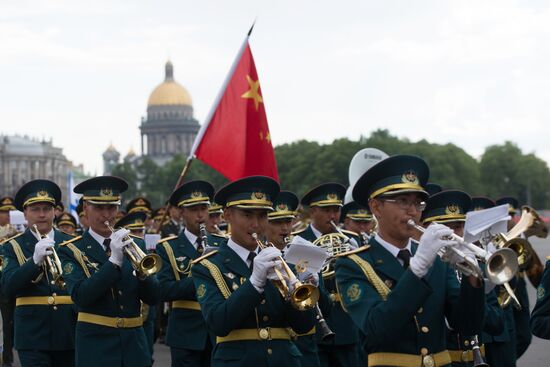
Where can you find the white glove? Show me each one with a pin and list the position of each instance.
(467, 264)
(431, 242)
(309, 277)
(263, 262)
(117, 244)
(42, 249)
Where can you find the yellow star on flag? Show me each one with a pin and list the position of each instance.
(253, 92)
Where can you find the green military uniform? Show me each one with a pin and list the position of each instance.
(403, 316)
(7, 304)
(540, 317)
(187, 336)
(284, 208)
(451, 206)
(342, 349)
(500, 348)
(135, 221)
(251, 328)
(108, 297)
(521, 315)
(45, 317)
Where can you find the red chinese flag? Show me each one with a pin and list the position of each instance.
(235, 140)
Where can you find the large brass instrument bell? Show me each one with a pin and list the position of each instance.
(144, 264)
(301, 296)
(529, 224)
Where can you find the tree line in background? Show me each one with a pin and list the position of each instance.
(502, 169)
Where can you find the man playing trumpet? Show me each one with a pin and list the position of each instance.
(240, 305)
(398, 292)
(44, 315)
(104, 285)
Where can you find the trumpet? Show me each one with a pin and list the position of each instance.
(52, 262)
(502, 265)
(301, 296)
(144, 264)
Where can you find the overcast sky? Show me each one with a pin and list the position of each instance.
(473, 73)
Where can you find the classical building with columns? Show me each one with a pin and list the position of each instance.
(168, 129)
(23, 159)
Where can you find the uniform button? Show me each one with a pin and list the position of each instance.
(466, 343)
(54, 308)
(265, 318)
(424, 351)
(120, 292)
(263, 302)
(122, 307)
(269, 351)
(54, 294)
(425, 329)
(420, 310)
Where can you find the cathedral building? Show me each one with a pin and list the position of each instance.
(168, 129)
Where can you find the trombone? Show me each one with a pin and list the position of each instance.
(502, 265)
(301, 296)
(52, 262)
(144, 264)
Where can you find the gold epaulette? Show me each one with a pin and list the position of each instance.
(167, 239)
(298, 232)
(350, 232)
(199, 259)
(133, 235)
(354, 251)
(10, 238)
(70, 241)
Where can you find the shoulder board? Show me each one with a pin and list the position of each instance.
(167, 239)
(199, 259)
(11, 238)
(298, 231)
(134, 236)
(355, 251)
(69, 241)
(350, 232)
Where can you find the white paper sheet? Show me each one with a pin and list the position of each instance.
(306, 254)
(485, 222)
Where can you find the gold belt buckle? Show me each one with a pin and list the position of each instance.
(264, 334)
(119, 322)
(51, 300)
(428, 361)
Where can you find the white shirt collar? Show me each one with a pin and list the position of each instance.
(51, 234)
(191, 237)
(240, 251)
(394, 250)
(316, 232)
(99, 238)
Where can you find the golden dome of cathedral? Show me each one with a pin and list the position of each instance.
(169, 92)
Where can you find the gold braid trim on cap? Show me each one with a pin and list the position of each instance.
(371, 275)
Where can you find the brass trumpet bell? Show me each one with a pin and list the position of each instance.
(502, 266)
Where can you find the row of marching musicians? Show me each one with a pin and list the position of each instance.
(389, 302)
